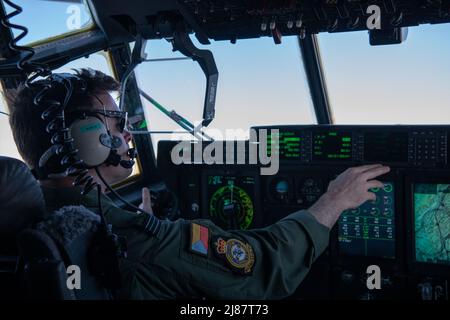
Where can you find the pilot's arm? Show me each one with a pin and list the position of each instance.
(193, 259)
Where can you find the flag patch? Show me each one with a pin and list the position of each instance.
(199, 239)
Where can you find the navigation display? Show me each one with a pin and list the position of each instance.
(230, 201)
(432, 223)
(370, 229)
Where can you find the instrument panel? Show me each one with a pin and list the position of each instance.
(405, 231)
(406, 146)
(239, 19)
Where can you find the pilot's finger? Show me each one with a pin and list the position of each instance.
(146, 200)
(375, 172)
(370, 196)
(366, 167)
(375, 184)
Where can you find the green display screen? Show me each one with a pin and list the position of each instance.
(230, 200)
(369, 230)
(432, 223)
(289, 145)
(332, 145)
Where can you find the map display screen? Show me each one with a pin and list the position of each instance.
(432, 223)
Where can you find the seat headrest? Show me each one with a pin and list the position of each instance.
(21, 198)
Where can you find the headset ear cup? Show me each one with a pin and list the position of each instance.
(87, 135)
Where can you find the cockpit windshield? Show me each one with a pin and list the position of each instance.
(46, 19)
(393, 84)
(259, 83)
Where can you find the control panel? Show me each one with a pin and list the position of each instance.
(406, 146)
(405, 231)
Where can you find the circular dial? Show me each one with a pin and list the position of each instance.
(232, 207)
(310, 189)
(282, 187)
(279, 189)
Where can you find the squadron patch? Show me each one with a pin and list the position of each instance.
(238, 255)
(199, 239)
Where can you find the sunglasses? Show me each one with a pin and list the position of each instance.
(134, 123)
(121, 116)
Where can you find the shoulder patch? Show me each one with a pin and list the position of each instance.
(238, 254)
(199, 239)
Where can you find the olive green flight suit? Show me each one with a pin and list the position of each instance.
(162, 266)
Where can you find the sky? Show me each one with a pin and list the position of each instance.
(396, 84)
(262, 83)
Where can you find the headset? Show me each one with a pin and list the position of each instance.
(80, 138)
(94, 141)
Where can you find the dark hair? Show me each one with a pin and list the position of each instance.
(28, 128)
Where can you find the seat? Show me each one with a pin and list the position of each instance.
(21, 205)
(41, 246)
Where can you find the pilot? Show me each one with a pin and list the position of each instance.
(189, 259)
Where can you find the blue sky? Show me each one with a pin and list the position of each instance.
(404, 84)
(261, 83)
(48, 18)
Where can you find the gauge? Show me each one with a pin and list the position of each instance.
(282, 187)
(232, 207)
(279, 189)
(309, 190)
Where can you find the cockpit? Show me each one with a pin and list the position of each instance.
(243, 112)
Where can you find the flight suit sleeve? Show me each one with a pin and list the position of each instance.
(266, 263)
(118, 217)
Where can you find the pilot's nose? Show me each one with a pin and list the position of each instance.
(127, 136)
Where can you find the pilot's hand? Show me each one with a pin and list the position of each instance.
(348, 191)
(146, 201)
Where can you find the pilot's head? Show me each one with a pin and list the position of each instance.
(29, 130)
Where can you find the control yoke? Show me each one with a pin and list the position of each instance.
(181, 42)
